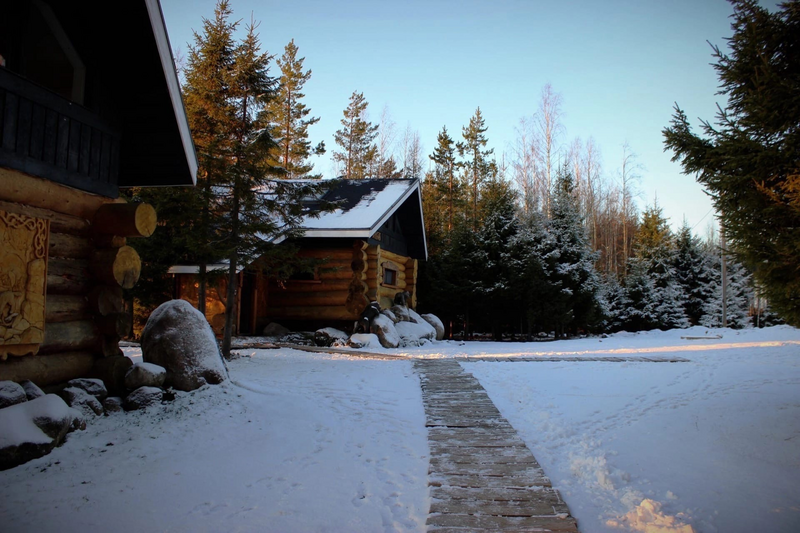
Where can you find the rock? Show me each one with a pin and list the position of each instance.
(11, 394)
(273, 329)
(178, 338)
(93, 386)
(383, 327)
(32, 429)
(434, 321)
(145, 375)
(143, 397)
(327, 336)
(417, 319)
(112, 404)
(415, 332)
(390, 315)
(32, 391)
(112, 371)
(82, 401)
(401, 313)
(364, 340)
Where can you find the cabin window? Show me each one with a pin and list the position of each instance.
(389, 276)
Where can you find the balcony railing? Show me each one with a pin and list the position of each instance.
(45, 135)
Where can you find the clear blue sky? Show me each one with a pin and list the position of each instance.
(619, 65)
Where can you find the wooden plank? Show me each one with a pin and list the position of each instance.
(490, 482)
(74, 149)
(37, 131)
(538, 507)
(50, 137)
(70, 246)
(503, 523)
(24, 127)
(59, 223)
(10, 122)
(66, 308)
(62, 142)
(68, 276)
(85, 149)
(531, 494)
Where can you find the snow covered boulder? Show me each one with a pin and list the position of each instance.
(11, 394)
(112, 404)
(390, 315)
(434, 321)
(82, 401)
(401, 313)
(327, 336)
(32, 391)
(364, 340)
(383, 327)
(145, 375)
(416, 331)
(178, 338)
(93, 386)
(143, 397)
(32, 429)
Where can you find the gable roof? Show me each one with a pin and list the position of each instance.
(364, 206)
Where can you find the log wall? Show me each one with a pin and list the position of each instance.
(86, 269)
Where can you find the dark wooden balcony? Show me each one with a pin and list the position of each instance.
(45, 135)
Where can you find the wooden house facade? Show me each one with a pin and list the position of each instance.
(87, 105)
(370, 248)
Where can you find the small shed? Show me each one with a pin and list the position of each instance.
(371, 246)
(89, 103)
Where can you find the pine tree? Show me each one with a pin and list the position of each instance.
(577, 306)
(355, 138)
(206, 96)
(692, 273)
(288, 116)
(493, 279)
(477, 165)
(748, 159)
(655, 251)
(446, 182)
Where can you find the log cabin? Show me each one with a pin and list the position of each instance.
(89, 104)
(370, 245)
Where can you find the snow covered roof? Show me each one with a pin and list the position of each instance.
(365, 205)
(195, 269)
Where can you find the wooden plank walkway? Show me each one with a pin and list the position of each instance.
(482, 476)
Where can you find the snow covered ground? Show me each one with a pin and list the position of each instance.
(317, 442)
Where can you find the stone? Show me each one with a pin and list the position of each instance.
(383, 327)
(363, 340)
(434, 321)
(33, 428)
(327, 336)
(11, 393)
(145, 375)
(112, 404)
(112, 371)
(143, 397)
(178, 338)
(390, 315)
(93, 386)
(32, 391)
(82, 401)
(401, 313)
(273, 329)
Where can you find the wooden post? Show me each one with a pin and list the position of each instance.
(117, 266)
(125, 220)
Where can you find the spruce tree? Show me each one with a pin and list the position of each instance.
(206, 95)
(448, 187)
(692, 273)
(655, 251)
(748, 160)
(289, 119)
(358, 153)
(477, 165)
(739, 292)
(577, 305)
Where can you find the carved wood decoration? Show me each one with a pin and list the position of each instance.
(23, 275)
